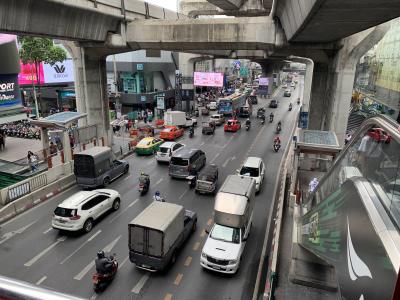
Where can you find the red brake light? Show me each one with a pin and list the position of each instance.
(76, 217)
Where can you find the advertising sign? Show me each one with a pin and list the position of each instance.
(263, 81)
(59, 72)
(139, 67)
(208, 79)
(143, 98)
(160, 102)
(9, 91)
(303, 120)
(28, 73)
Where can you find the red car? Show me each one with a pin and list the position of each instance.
(232, 125)
(380, 135)
(171, 133)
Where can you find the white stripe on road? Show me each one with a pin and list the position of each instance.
(48, 230)
(94, 296)
(215, 157)
(128, 177)
(80, 247)
(202, 144)
(123, 262)
(41, 280)
(44, 252)
(183, 194)
(124, 210)
(86, 269)
(138, 287)
(9, 235)
(159, 181)
(228, 160)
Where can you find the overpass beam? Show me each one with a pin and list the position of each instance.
(333, 82)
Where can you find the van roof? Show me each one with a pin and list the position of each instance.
(185, 153)
(95, 151)
(158, 215)
(252, 162)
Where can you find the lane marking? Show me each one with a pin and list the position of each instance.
(196, 246)
(228, 160)
(86, 269)
(159, 181)
(215, 157)
(202, 144)
(9, 235)
(94, 296)
(48, 230)
(203, 233)
(178, 279)
(188, 261)
(168, 296)
(41, 280)
(124, 210)
(128, 177)
(138, 287)
(209, 222)
(44, 252)
(181, 196)
(149, 163)
(80, 247)
(123, 262)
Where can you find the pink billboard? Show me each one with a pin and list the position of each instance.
(28, 72)
(208, 79)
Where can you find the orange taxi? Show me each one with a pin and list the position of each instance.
(232, 125)
(171, 133)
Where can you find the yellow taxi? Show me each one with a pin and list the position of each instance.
(148, 145)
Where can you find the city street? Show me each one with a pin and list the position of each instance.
(32, 251)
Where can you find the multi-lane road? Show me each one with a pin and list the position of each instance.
(32, 251)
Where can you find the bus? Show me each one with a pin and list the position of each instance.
(228, 105)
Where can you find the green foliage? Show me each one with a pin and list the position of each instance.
(37, 49)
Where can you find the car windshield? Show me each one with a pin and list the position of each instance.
(167, 130)
(226, 234)
(164, 150)
(64, 212)
(179, 161)
(230, 123)
(247, 171)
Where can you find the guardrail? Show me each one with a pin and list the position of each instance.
(22, 189)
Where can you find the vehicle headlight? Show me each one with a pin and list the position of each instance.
(203, 255)
(232, 262)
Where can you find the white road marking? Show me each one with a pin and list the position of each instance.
(123, 262)
(80, 247)
(44, 252)
(41, 280)
(128, 177)
(86, 269)
(138, 287)
(159, 181)
(228, 160)
(202, 144)
(183, 194)
(9, 235)
(48, 230)
(94, 296)
(124, 210)
(149, 163)
(215, 157)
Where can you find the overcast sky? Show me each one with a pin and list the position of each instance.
(170, 4)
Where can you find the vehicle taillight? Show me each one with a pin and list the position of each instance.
(76, 217)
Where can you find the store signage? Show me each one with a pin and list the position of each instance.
(62, 72)
(208, 79)
(263, 81)
(9, 91)
(139, 67)
(28, 74)
(143, 98)
(160, 102)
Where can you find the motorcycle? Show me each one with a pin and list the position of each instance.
(144, 185)
(298, 100)
(278, 128)
(191, 181)
(262, 121)
(290, 106)
(101, 281)
(191, 133)
(276, 147)
(247, 127)
(271, 119)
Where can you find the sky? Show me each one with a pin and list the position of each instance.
(169, 4)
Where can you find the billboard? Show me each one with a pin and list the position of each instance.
(28, 73)
(263, 81)
(9, 91)
(59, 73)
(208, 79)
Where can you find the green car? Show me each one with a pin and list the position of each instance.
(148, 145)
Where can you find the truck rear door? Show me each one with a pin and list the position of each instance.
(155, 243)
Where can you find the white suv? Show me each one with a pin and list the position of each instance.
(81, 209)
(254, 167)
(166, 151)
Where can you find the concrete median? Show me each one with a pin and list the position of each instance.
(25, 203)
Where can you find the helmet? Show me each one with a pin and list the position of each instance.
(157, 193)
(248, 119)
(141, 173)
(100, 254)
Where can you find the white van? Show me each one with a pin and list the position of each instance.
(213, 105)
(254, 167)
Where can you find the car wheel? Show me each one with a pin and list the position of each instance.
(116, 204)
(126, 169)
(106, 181)
(88, 225)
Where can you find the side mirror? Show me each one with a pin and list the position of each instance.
(244, 239)
(207, 230)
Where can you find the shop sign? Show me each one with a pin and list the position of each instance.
(143, 98)
(59, 72)
(28, 74)
(139, 67)
(9, 91)
(160, 102)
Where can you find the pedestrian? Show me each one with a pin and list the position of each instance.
(71, 141)
(32, 161)
(57, 139)
(126, 125)
(53, 148)
(313, 185)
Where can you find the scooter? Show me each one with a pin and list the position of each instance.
(263, 121)
(144, 187)
(191, 181)
(276, 147)
(247, 127)
(290, 106)
(100, 281)
(191, 133)
(298, 101)
(278, 128)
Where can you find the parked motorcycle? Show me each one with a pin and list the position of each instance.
(101, 281)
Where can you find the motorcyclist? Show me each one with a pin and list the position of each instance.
(248, 122)
(271, 116)
(277, 140)
(290, 106)
(157, 197)
(191, 131)
(103, 263)
(263, 117)
(144, 178)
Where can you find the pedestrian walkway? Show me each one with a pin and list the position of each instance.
(17, 148)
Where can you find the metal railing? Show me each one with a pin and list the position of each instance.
(27, 187)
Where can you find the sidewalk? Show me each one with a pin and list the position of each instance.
(17, 148)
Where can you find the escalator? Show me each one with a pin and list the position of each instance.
(352, 219)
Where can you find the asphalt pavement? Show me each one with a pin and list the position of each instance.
(32, 251)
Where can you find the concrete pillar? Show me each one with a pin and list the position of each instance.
(318, 101)
(66, 147)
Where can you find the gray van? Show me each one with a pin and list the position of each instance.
(186, 162)
(96, 167)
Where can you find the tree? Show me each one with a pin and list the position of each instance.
(35, 50)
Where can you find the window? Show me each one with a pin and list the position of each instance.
(64, 212)
(226, 234)
(247, 171)
(178, 161)
(90, 204)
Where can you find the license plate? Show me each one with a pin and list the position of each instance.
(216, 267)
(62, 221)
